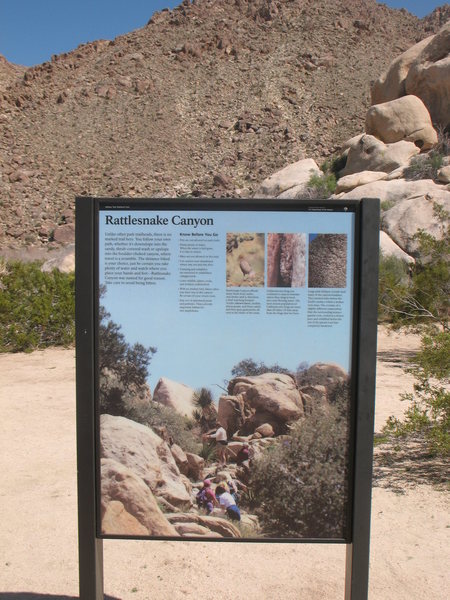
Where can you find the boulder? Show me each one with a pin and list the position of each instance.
(233, 449)
(327, 261)
(393, 191)
(117, 521)
(221, 526)
(270, 397)
(194, 530)
(180, 458)
(266, 430)
(174, 395)
(138, 448)
(391, 84)
(64, 261)
(405, 118)
(444, 174)
(349, 182)
(313, 396)
(231, 413)
(389, 248)
(324, 374)
(407, 217)
(294, 175)
(196, 465)
(352, 143)
(216, 526)
(371, 154)
(429, 76)
(120, 484)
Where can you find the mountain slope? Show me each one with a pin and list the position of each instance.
(205, 99)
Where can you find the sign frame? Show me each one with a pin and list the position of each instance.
(363, 379)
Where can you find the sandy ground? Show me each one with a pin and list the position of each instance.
(38, 526)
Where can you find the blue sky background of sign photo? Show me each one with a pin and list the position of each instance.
(200, 349)
(31, 31)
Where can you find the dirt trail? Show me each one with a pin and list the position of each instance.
(38, 530)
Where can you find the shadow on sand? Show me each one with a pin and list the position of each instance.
(401, 463)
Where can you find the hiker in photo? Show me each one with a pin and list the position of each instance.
(206, 498)
(222, 441)
(230, 485)
(228, 503)
(243, 454)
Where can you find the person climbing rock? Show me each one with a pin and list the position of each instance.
(222, 441)
(228, 504)
(206, 498)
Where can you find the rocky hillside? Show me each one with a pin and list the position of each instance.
(209, 98)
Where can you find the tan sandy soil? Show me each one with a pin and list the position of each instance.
(38, 527)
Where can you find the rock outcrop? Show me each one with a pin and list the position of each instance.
(194, 525)
(271, 398)
(175, 395)
(391, 84)
(371, 154)
(140, 450)
(128, 505)
(289, 182)
(322, 374)
(407, 217)
(423, 71)
(405, 118)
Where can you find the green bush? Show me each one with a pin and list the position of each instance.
(321, 186)
(37, 309)
(179, 428)
(424, 166)
(393, 281)
(299, 486)
(422, 303)
(429, 406)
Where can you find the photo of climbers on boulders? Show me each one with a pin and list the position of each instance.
(245, 261)
(268, 459)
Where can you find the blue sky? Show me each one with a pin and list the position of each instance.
(32, 30)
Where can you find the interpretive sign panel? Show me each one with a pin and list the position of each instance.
(225, 374)
(225, 396)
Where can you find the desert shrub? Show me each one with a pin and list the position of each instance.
(248, 367)
(423, 304)
(429, 405)
(321, 186)
(386, 205)
(424, 166)
(179, 427)
(299, 486)
(37, 309)
(337, 164)
(205, 413)
(208, 452)
(203, 398)
(393, 280)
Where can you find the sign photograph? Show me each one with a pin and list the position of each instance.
(224, 361)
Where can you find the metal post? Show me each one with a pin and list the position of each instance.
(357, 559)
(90, 549)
